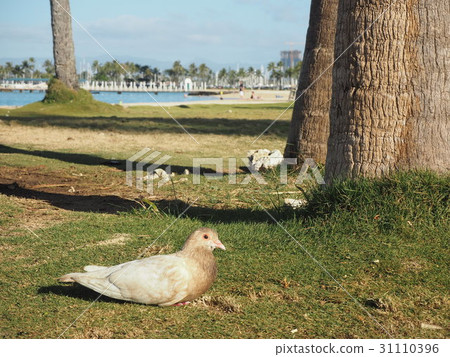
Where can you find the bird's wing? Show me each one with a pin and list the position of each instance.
(93, 267)
(161, 280)
(96, 278)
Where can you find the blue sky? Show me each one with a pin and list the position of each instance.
(227, 32)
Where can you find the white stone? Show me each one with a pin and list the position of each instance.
(291, 202)
(158, 173)
(264, 159)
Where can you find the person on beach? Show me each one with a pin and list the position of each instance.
(241, 90)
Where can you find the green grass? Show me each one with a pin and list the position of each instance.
(385, 241)
(196, 118)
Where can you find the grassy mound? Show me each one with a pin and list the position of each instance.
(391, 201)
(62, 101)
(57, 92)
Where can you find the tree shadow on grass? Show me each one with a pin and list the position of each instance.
(75, 158)
(217, 126)
(214, 215)
(89, 203)
(92, 160)
(115, 204)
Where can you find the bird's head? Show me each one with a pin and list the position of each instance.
(204, 238)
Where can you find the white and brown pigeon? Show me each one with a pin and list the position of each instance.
(162, 280)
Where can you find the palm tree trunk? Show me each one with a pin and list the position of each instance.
(63, 49)
(391, 90)
(308, 133)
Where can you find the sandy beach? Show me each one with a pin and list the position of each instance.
(259, 97)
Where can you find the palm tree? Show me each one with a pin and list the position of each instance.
(232, 77)
(251, 73)
(63, 49)
(297, 69)
(145, 72)
(49, 67)
(177, 72)
(95, 66)
(390, 104)
(18, 71)
(258, 75)
(276, 72)
(204, 72)
(131, 69)
(242, 74)
(26, 68)
(9, 67)
(288, 74)
(156, 73)
(193, 71)
(222, 75)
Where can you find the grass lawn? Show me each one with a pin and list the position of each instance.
(364, 259)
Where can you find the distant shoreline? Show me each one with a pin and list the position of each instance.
(232, 101)
(259, 97)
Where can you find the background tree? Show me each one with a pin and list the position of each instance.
(204, 73)
(9, 67)
(18, 71)
(131, 69)
(251, 76)
(242, 74)
(27, 68)
(232, 77)
(222, 76)
(110, 71)
(177, 72)
(259, 76)
(63, 49)
(95, 66)
(49, 68)
(391, 90)
(297, 68)
(276, 72)
(144, 72)
(156, 74)
(193, 71)
(309, 129)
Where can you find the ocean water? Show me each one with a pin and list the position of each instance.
(25, 97)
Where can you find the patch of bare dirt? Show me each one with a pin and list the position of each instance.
(118, 239)
(47, 197)
(62, 190)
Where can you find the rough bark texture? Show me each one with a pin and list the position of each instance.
(391, 90)
(309, 130)
(63, 49)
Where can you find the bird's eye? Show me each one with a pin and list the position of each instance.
(205, 236)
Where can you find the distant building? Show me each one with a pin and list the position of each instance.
(290, 58)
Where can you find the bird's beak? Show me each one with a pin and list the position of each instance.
(218, 244)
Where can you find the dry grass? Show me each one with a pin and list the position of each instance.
(227, 304)
(266, 286)
(118, 239)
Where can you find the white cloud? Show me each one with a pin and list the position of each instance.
(249, 35)
(178, 37)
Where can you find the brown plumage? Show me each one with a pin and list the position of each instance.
(158, 280)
